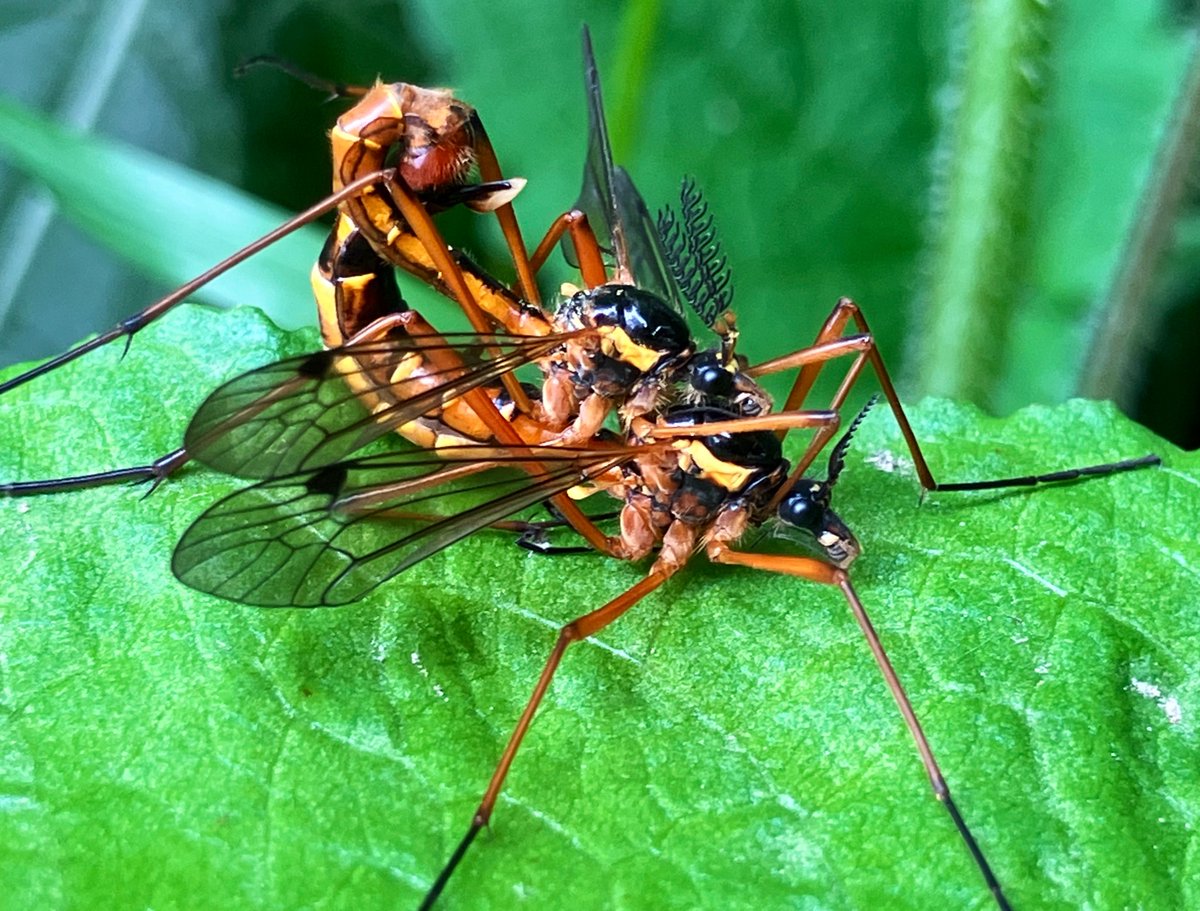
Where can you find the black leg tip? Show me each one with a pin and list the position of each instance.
(443, 878)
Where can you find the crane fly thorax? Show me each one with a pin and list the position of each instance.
(637, 335)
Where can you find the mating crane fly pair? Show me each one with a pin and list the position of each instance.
(695, 462)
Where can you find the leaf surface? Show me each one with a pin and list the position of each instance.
(728, 744)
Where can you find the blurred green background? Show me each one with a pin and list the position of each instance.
(1004, 187)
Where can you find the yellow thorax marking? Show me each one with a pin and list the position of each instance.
(616, 343)
(582, 491)
(726, 474)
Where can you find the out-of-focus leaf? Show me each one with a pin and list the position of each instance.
(133, 201)
(728, 744)
(147, 74)
(1113, 82)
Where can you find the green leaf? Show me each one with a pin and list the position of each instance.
(728, 744)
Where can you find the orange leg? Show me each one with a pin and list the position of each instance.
(489, 170)
(583, 238)
(431, 239)
(818, 354)
(444, 358)
(824, 573)
(829, 346)
(458, 282)
(835, 324)
(825, 421)
(575, 631)
(158, 470)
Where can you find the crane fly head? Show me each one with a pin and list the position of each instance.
(807, 505)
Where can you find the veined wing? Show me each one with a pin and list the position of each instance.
(304, 412)
(330, 536)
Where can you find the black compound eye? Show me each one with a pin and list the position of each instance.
(804, 507)
(710, 379)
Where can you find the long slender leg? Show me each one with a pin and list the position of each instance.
(489, 170)
(451, 273)
(583, 239)
(534, 542)
(828, 347)
(575, 631)
(419, 248)
(127, 327)
(825, 421)
(815, 356)
(1056, 477)
(310, 79)
(843, 311)
(532, 535)
(156, 472)
(818, 571)
(162, 467)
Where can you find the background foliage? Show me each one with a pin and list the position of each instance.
(730, 744)
(971, 173)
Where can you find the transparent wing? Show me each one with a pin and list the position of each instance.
(329, 537)
(304, 412)
(614, 207)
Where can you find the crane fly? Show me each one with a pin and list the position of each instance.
(690, 477)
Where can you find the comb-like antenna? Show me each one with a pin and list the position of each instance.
(837, 458)
(694, 254)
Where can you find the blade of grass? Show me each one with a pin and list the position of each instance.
(1127, 322)
(170, 221)
(95, 68)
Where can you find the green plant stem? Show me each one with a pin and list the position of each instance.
(979, 229)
